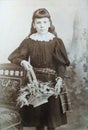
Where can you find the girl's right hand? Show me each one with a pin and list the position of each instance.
(25, 64)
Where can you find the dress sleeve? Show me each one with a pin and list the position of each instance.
(20, 53)
(61, 58)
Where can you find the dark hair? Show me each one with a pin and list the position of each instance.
(41, 13)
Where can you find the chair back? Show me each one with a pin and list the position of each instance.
(11, 78)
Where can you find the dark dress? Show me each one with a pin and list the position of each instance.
(51, 54)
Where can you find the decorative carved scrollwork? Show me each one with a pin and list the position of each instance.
(9, 90)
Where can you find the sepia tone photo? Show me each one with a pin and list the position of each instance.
(43, 65)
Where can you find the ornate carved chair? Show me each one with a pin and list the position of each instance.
(11, 78)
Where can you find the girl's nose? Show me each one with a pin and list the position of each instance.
(42, 25)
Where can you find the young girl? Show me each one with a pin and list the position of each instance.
(49, 59)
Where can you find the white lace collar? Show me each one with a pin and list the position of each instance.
(46, 37)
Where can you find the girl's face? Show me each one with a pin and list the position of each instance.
(41, 25)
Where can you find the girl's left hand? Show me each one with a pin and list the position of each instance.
(58, 85)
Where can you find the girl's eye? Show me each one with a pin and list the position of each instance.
(45, 22)
(38, 22)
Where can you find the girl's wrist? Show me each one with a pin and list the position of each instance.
(22, 62)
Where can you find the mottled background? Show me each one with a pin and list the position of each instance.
(71, 22)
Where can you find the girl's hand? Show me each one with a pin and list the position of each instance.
(26, 64)
(58, 85)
